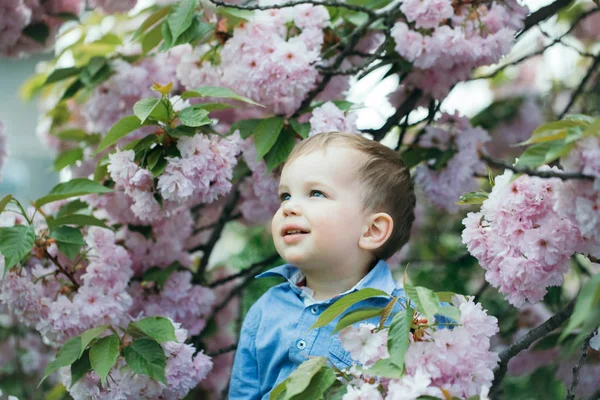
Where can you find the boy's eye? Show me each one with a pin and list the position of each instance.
(284, 196)
(317, 193)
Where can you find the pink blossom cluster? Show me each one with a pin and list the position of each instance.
(445, 43)
(259, 198)
(113, 6)
(183, 372)
(179, 300)
(580, 200)
(271, 58)
(365, 344)
(444, 187)
(329, 118)
(16, 15)
(520, 237)
(203, 172)
(166, 244)
(114, 98)
(2, 147)
(457, 360)
(33, 294)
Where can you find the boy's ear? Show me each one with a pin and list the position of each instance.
(378, 231)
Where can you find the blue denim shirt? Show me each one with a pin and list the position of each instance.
(276, 336)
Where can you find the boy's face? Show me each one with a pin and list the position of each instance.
(321, 216)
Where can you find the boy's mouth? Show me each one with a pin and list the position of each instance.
(293, 230)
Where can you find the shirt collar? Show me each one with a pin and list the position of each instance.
(379, 277)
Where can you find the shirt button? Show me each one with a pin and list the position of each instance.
(314, 310)
(301, 344)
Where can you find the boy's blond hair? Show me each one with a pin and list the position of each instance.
(385, 177)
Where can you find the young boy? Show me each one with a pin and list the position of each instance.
(346, 205)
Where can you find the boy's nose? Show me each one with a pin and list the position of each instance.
(290, 208)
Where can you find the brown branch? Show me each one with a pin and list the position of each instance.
(542, 14)
(353, 7)
(401, 112)
(234, 292)
(577, 367)
(216, 234)
(538, 52)
(248, 271)
(579, 89)
(540, 174)
(352, 41)
(62, 269)
(523, 343)
(222, 351)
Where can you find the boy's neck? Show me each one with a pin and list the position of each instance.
(327, 285)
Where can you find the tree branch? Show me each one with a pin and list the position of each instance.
(248, 271)
(579, 89)
(577, 367)
(523, 343)
(234, 292)
(62, 269)
(594, 396)
(327, 3)
(222, 351)
(216, 234)
(542, 14)
(401, 112)
(540, 174)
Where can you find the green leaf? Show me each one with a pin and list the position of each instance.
(301, 129)
(15, 243)
(71, 208)
(72, 135)
(38, 31)
(146, 357)
(543, 153)
(167, 36)
(4, 202)
(281, 149)
(181, 16)
(67, 158)
(97, 71)
(473, 198)
(158, 328)
(194, 117)
(415, 155)
(210, 107)
(387, 311)
(103, 355)
(67, 355)
(398, 336)
(72, 188)
(61, 73)
(91, 334)
(445, 296)
(80, 367)
(77, 219)
(151, 107)
(266, 134)
(300, 379)
(593, 129)
(235, 13)
(152, 39)
(384, 368)
(153, 157)
(588, 300)
(160, 275)
(356, 316)
(451, 312)
(344, 303)
(69, 240)
(426, 300)
(71, 90)
(245, 127)
(216, 91)
(152, 19)
(181, 131)
(552, 131)
(120, 129)
(319, 384)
